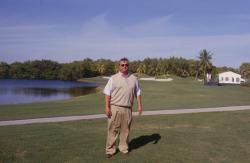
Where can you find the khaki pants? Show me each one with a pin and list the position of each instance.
(118, 125)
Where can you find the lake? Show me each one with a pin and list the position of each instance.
(28, 91)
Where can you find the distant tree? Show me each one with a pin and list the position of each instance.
(43, 69)
(110, 67)
(245, 70)
(73, 71)
(194, 69)
(105, 67)
(68, 72)
(163, 66)
(224, 69)
(38, 69)
(174, 66)
(133, 66)
(4, 70)
(141, 68)
(158, 67)
(100, 66)
(47, 69)
(183, 67)
(205, 62)
(90, 69)
(18, 71)
(151, 66)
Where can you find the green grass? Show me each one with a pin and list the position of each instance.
(201, 137)
(187, 93)
(180, 93)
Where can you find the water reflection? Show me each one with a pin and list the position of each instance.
(81, 91)
(33, 91)
(26, 91)
(78, 91)
(3, 91)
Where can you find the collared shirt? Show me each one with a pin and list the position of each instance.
(110, 86)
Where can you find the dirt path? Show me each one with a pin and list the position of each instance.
(97, 116)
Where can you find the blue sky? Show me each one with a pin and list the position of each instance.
(68, 30)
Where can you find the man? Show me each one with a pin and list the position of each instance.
(119, 96)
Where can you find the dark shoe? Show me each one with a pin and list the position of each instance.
(109, 155)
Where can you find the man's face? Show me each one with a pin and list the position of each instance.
(123, 66)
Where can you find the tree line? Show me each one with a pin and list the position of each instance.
(158, 67)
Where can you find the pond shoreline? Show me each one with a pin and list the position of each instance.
(25, 91)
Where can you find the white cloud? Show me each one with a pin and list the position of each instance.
(98, 38)
(26, 27)
(98, 27)
(152, 27)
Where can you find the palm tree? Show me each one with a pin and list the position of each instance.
(195, 69)
(205, 62)
(141, 69)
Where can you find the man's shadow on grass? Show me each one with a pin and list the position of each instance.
(143, 140)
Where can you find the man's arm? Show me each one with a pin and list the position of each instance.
(107, 91)
(107, 106)
(139, 104)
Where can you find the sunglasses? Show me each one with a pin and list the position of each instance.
(123, 65)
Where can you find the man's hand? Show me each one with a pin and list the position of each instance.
(107, 106)
(108, 112)
(140, 110)
(139, 105)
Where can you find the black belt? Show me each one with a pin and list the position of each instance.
(123, 106)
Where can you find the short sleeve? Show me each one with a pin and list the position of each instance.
(138, 89)
(109, 87)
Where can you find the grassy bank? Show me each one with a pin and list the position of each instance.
(203, 137)
(180, 93)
